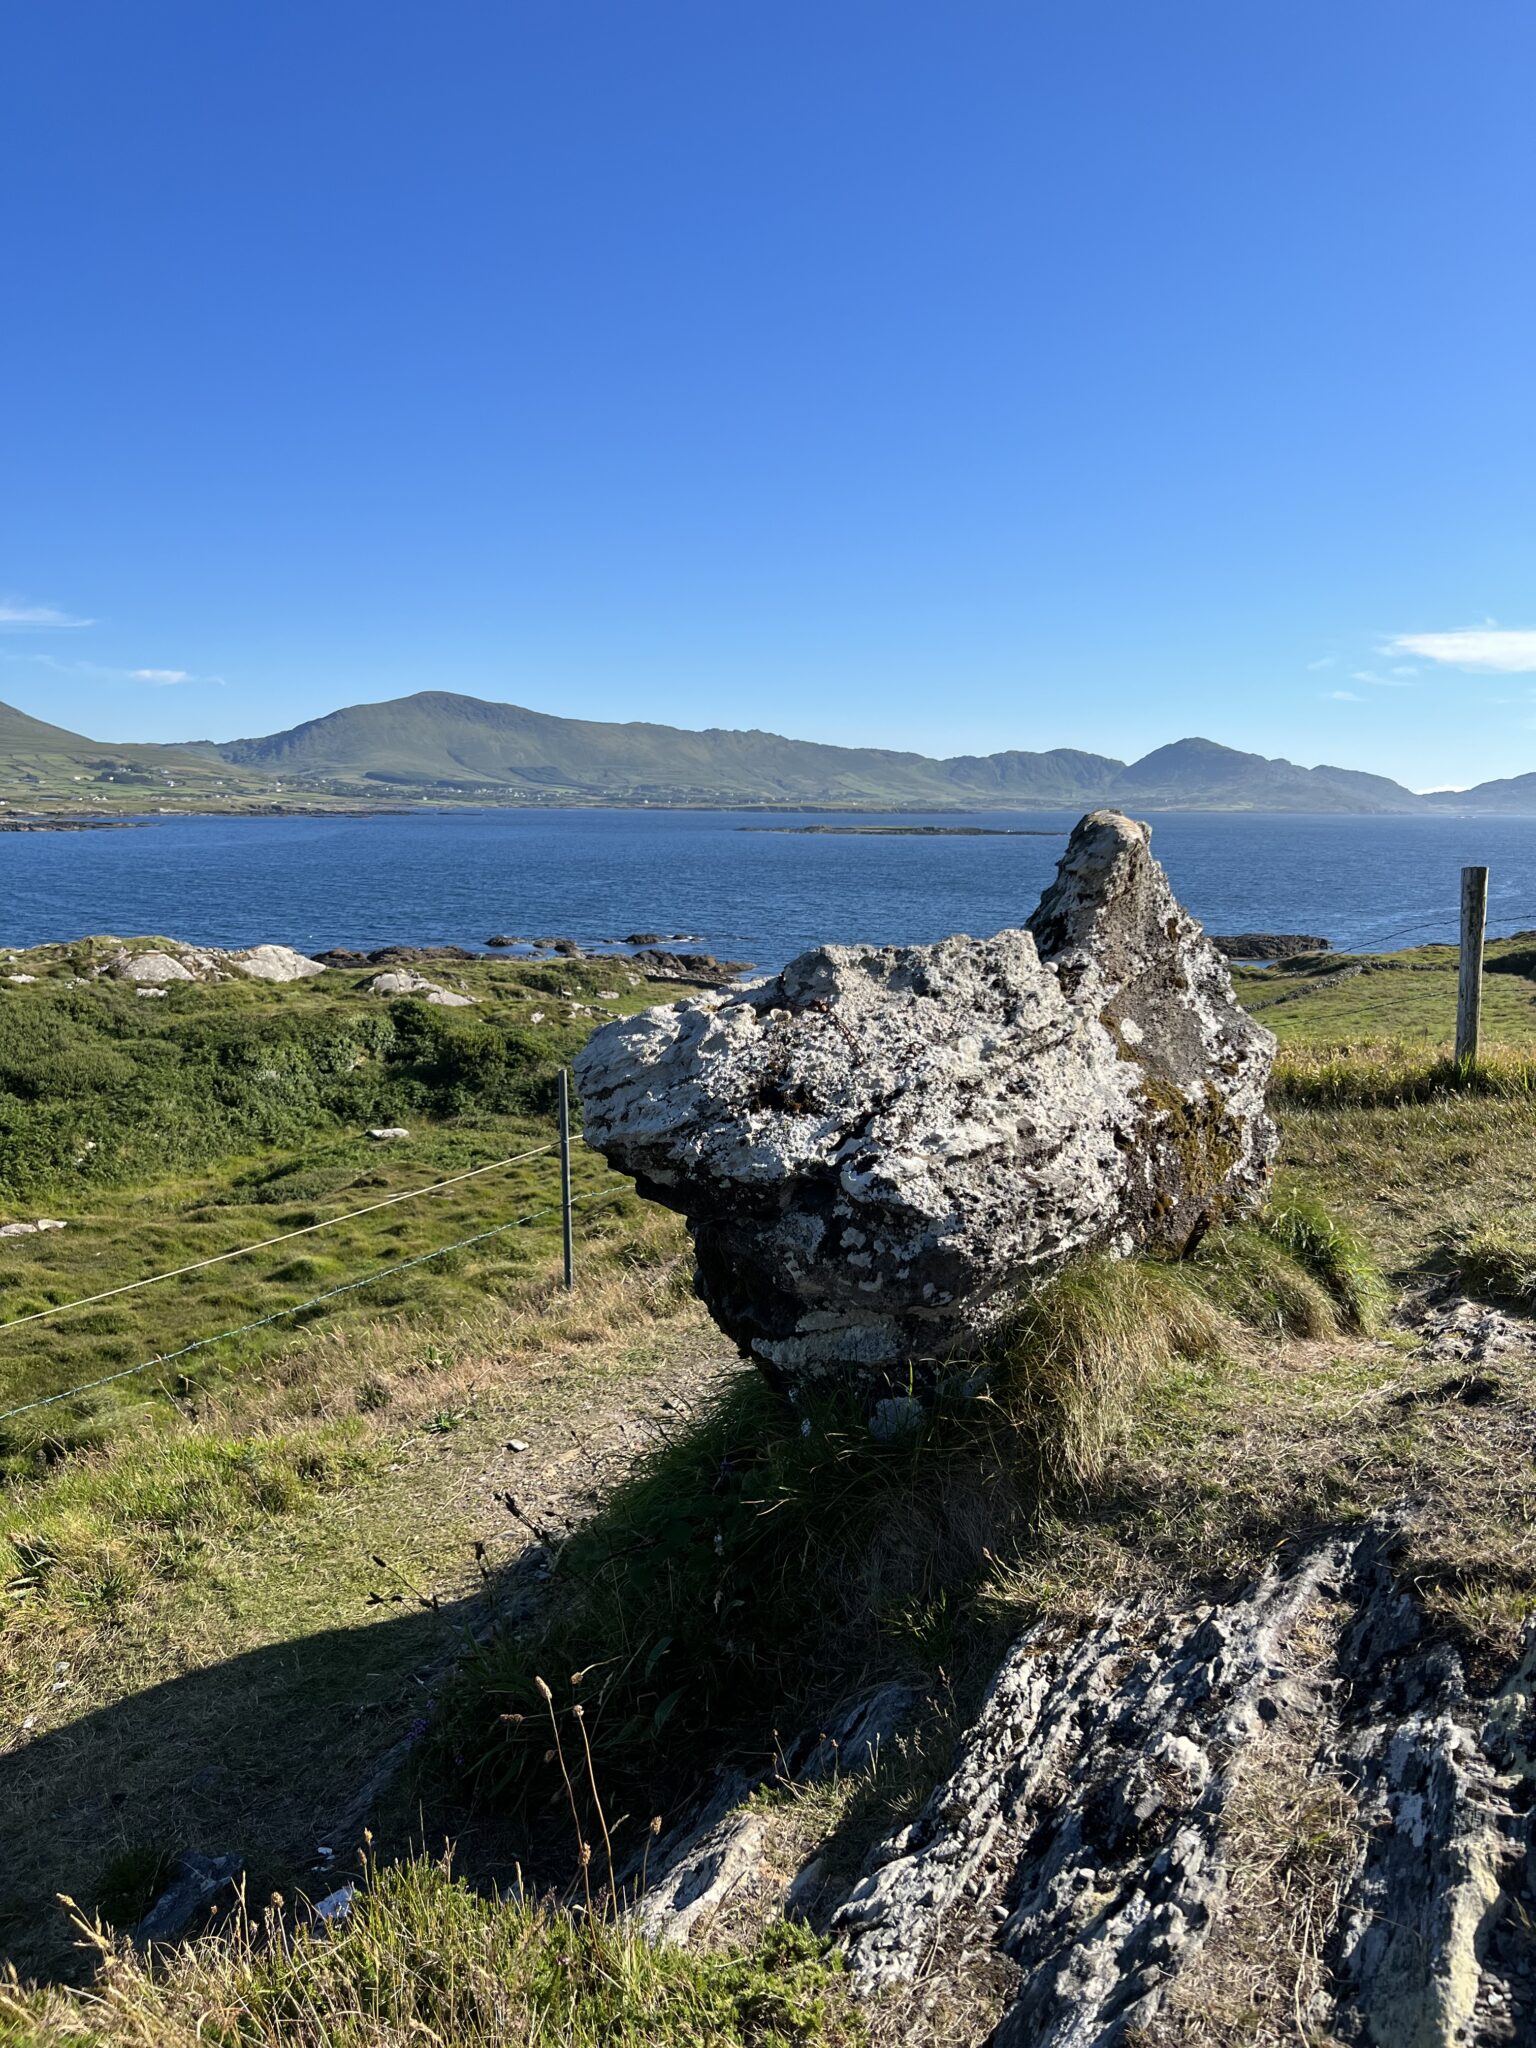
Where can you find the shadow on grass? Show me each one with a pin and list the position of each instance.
(755, 1570)
(764, 1567)
(273, 1754)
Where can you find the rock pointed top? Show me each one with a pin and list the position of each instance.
(879, 1147)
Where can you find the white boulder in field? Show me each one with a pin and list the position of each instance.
(275, 963)
(152, 969)
(400, 981)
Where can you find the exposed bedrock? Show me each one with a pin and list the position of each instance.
(1116, 1816)
(878, 1147)
(1278, 1816)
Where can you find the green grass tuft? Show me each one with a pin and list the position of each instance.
(1497, 1260)
(1255, 1278)
(1069, 1365)
(1336, 1256)
(424, 1958)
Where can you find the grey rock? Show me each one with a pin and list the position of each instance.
(152, 969)
(275, 963)
(1087, 1798)
(31, 1229)
(1462, 1330)
(403, 981)
(1083, 1832)
(336, 1907)
(199, 1886)
(716, 1852)
(856, 1737)
(896, 1416)
(381, 1132)
(695, 1883)
(879, 1148)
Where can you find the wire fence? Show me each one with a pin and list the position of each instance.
(299, 1307)
(564, 1207)
(244, 1251)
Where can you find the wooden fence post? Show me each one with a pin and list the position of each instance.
(1469, 992)
(565, 1177)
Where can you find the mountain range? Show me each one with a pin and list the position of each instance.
(439, 746)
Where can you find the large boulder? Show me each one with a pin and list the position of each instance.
(880, 1147)
(402, 981)
(275, 963)
(151, 970)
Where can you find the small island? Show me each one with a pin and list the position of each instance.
(915, 831)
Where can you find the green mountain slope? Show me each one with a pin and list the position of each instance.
(439, 741)
(438, 745)
(1514, 794)
(1200, 775)
(41, 763)
(451, 742)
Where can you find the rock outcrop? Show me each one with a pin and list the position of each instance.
(879, 1147)
(400, 981)
(1125, 1833)
(150, 969)
(275, 963)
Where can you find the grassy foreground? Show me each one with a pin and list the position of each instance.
(722, 1580)
(425, 1959)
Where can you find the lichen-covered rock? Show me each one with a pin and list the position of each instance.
(1123, 1778)
(275, 963)
(150, 969)
(877, 1147)
(1124, 949)
(403, 981)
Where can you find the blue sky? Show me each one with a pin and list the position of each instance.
(963, 375)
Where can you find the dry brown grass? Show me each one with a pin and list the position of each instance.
(231, 1668)
(424, 1960)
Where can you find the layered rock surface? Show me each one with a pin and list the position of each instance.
(1110, 1853)
(877, 1148)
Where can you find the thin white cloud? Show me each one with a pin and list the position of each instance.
(1396, 681)
(1323, 661)
(16, 611)
(99, 672)
(1504, 650)
(1345, 697)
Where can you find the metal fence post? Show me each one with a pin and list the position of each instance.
(565, 1176)
(1469, 990)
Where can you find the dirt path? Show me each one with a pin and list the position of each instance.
(270, 1702)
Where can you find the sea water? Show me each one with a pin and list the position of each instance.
(757, 895)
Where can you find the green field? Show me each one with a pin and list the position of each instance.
(1408, 998)
(165, 1132)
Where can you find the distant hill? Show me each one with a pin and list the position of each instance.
(444, 742)
(1512, 793)
(42, 762)
(440, 745)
